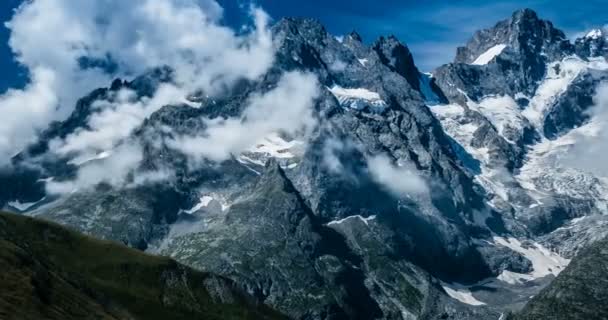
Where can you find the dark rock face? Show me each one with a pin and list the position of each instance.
(275, 235)
(398, 58)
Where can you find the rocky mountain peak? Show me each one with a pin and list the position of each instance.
(593, 44)
(524, 33)
(514, 52)
(398, 58)
(310, 29)
(353, 35)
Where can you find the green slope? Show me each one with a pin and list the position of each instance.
(50, 272)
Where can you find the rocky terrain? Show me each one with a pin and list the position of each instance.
(578, 293)
(406, 195)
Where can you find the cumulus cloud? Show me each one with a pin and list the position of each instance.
(398, 179)
(286, 108)
(71, 47)
(25, 111)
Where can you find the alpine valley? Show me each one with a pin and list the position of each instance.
(455, 194)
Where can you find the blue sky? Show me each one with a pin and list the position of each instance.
(432, 29)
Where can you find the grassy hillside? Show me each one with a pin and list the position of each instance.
(50, 272)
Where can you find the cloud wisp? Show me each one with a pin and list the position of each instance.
(399, 178)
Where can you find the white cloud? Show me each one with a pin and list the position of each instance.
(115, 121)
(401, 179)
(398, 179)
(111, 170)
(26, 111)
(286, 108)
(590, 148)
(331, 155)
(50, 38)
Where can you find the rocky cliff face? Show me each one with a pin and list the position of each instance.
(414, 196)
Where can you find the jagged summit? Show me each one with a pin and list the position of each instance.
(354, 35)
(593, 44)
(524, 32)
(509, 58)
(398, 57)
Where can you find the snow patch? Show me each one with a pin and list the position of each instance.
(544, 261)
(463, 295)
(277, 147)
(82, 159)
(287, 151)
(365, 220)
(203, 202)
(358, 98)
(503, 112)
(23, 206)
(208, 201)
(487, 56)
(514, 278)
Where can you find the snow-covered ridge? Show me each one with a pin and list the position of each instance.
(358, 98)
(560, 75)
(594, 34)
(487, 56)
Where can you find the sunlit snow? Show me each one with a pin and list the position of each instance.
(487, 56)
(358, 98)
(544, 261)
(463, 295)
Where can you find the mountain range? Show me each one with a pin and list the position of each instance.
(471, 192)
